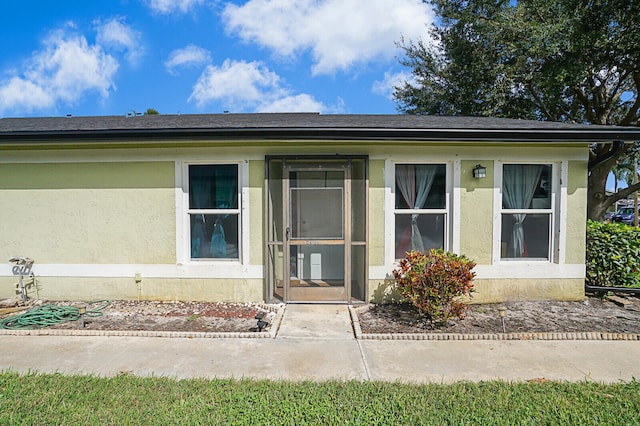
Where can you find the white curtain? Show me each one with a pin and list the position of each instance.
(519, 184)
(415, 182)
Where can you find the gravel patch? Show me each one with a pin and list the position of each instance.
(591, 315)
(174, 316)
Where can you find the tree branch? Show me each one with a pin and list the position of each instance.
(632, 114)
(603, 155)
(582, 97)
(623, 193)
(613, 92)
(539, 102)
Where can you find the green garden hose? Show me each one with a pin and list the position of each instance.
(46, 315)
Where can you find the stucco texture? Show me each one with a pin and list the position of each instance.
(376, 213)
(88, 213)
(476, 213)
(522, 289)
(256, 206)
(119, 208)
(576, 230)
(91, 288)
(497, 290)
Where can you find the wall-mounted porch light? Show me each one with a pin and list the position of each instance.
(479, 172)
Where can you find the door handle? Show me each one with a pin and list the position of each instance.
(287, 233)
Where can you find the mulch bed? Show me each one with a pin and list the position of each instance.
(121, 315)
(592, 315)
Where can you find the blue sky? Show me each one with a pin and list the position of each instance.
(104, 57)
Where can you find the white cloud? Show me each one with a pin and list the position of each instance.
(390, 81)
(170, 6)
(63, 71)
(339, 33)
(297, 103)
(248, 86)
(117, 35)
(23, 95)
(189, 56)
(235, 82)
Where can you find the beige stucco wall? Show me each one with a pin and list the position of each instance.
(498, 290)
(83, 213)
(123, 212)
(256, 211)
(476, 223)
(110, 288)
(576, 230)
(522, 289)
(476, 213)
(376, 213)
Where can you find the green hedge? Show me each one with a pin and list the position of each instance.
(613, 255)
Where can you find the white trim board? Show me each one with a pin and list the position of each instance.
(517, 270)
(233, 270)
(210, 270)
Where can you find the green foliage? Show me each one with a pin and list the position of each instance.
(567, 61)
(570, 60)
(54, 399)
(151, 111)
(613, 255)
(435, 282)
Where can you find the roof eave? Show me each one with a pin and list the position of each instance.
(471, 135)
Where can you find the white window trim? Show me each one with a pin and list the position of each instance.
(561, 246)
(183, 245)
(450, 229)
(557, 212)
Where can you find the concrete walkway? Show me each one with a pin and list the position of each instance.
(315, 342)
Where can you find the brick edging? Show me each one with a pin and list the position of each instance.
(136, 333)
(591, 335)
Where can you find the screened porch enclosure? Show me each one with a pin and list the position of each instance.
(316, 229)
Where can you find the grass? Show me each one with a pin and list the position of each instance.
(126, 400)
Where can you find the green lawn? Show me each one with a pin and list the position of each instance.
(37, 399)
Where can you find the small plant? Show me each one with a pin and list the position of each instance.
(435, 282)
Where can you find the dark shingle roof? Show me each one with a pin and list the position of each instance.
(307, 126)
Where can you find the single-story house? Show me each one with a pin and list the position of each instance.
(298, 207)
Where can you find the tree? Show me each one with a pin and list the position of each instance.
(570, 60)
(623, 169)
(151, 111)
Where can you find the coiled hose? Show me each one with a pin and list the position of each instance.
(47, 315)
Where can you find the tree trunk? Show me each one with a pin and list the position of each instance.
(597, 201)
(602, 160)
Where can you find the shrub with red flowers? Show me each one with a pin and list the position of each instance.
(435, 282)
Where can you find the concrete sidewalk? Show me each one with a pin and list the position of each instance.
(316, 342)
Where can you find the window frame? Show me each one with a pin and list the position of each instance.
(445, 211)
(553, 255)
(187, 212)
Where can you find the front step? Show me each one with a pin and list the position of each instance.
(316, 321)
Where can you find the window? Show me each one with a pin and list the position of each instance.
(527, 212)
(214, 214)
(420, 207)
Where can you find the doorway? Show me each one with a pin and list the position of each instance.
(316, 226)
